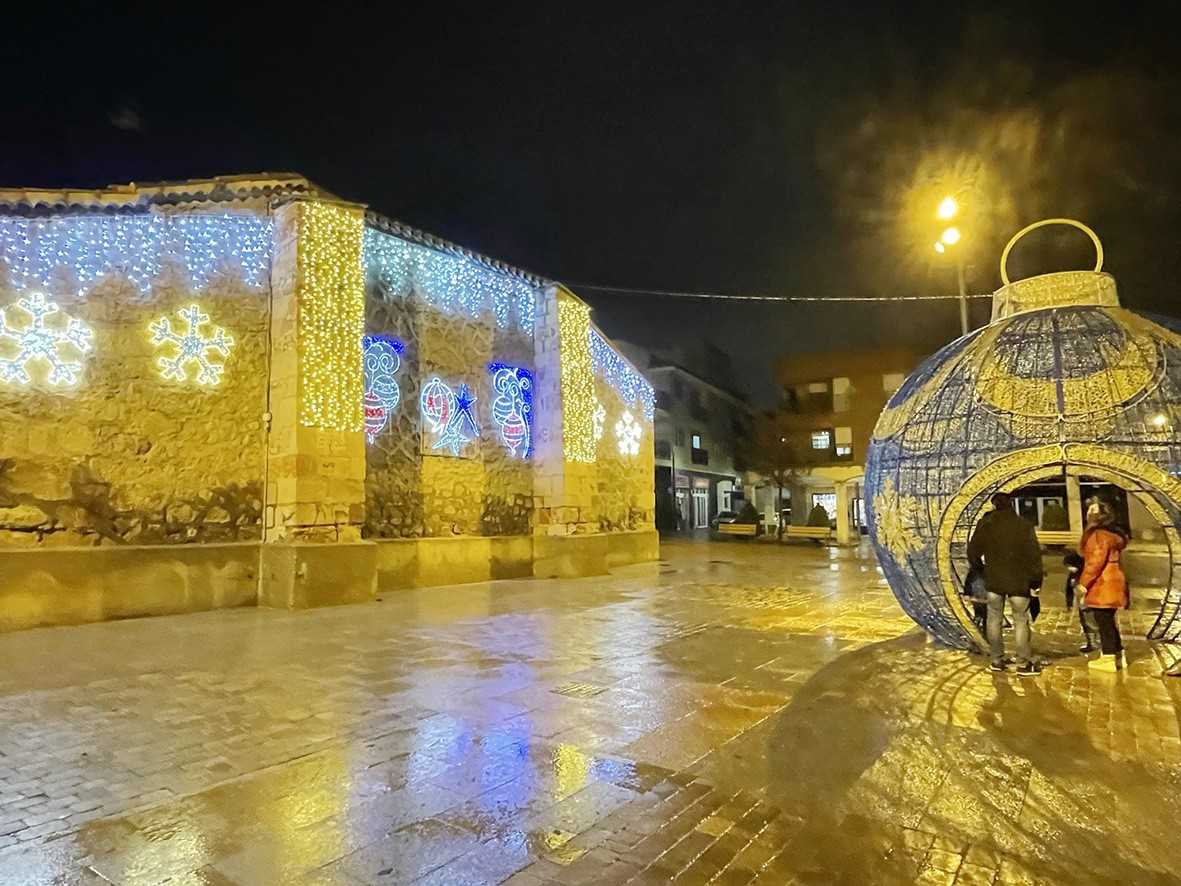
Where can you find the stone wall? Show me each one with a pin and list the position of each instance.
(623, 498)
(125, 455)
(412, 488)
(270, 459)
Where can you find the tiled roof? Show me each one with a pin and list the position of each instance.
(404, 231)
(138, 197)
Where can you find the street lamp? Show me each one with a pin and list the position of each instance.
(950, 237)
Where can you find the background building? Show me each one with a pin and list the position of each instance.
(831, 402)
(246, 391)
(701, 423)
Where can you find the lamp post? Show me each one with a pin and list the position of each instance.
(948, 240)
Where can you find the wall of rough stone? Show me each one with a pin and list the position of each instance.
(413, 490)
(126, 456)
(623, 498)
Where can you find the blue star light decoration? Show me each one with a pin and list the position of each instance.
(192, 348)
(35, 342)
(461, 427)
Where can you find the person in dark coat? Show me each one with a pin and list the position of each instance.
(1004, 547)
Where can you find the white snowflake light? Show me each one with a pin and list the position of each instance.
(627, 432)
(192, 348)
(35, 342)
(598, 419)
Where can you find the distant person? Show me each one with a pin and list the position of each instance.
(819, 516)
(1094, 505)
(1005, 549)
(1103, 583)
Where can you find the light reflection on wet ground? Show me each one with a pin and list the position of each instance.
(736, 713)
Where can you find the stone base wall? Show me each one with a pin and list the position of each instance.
(428, 562)
(66, 586)
(307, 576)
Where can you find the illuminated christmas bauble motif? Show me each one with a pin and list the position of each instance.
(376, 416)
(513, 406)
(382, 395)
(438, 403)
(1063, 380)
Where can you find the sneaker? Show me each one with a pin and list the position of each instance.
(998, 666)
(1107, 664)
(1031, 669)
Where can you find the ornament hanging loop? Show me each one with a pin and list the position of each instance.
(1041, 224)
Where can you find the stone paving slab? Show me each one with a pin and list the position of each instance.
(736, 714)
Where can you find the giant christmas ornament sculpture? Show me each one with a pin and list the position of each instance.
(1062, 381)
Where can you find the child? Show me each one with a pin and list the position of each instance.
(1074, 563)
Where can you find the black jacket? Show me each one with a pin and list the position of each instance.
(1004, 545)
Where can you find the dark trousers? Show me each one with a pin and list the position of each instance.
(1109, 638)
(980, 615)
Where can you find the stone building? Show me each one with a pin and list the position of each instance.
(245, 391)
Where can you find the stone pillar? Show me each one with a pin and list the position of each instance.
(844, 522)
(312, 553)
(1074, 504)
(564, 542)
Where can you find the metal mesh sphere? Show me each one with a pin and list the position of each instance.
(1080, 384)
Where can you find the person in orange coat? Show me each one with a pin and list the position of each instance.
(1103, 583)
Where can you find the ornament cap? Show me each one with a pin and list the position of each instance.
(1057, 289)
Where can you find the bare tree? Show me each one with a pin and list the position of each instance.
(772, 451)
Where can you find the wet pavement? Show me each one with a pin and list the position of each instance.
(737, 713)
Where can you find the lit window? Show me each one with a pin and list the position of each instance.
(841, 389)
(821, 440)
(696, 441)
(843, 437)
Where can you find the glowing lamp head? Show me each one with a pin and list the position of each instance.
(950, 237)
(940, 248)
(947, 208)
(1160, 420)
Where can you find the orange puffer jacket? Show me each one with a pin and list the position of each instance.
(1107, 587)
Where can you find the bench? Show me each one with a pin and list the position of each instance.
(1063, 537)
(812, 533)
(741, 530)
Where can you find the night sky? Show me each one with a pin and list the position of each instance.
(679, 147)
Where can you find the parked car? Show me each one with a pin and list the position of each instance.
(724, 517)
